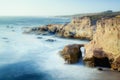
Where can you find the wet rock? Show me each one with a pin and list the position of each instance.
(11, 27)
(7, 26)
(52, 28)
(43, 29)
(119, 69)
(4, 38)
(72, 53)
(13, 30)
(44, 34)
(50, 40)
(7, 41)
(116, 64)
(39, 37)
(100, 69)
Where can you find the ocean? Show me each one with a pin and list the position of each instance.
(32, 57)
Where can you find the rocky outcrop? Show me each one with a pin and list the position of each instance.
(80, 28)
(105, 46)
(41, 30)
(72, 53)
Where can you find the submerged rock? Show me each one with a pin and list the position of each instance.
(13, 30)
(105, 46)
(50, 40)
(4, 38)
(72, 53)
(7, 41)
(39, 37)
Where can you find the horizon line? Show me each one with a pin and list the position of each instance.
(55, 15)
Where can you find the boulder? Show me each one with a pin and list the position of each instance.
(72, 53)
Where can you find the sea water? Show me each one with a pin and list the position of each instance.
(27, 57)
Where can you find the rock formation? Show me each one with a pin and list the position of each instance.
(72, 53)
(80, 28)
(105, 46)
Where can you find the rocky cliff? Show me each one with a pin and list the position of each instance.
(103, 50)
(105, 46)
(80, 28)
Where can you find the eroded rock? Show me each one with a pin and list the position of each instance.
(79, 28)
(105, 44)
(72, 53)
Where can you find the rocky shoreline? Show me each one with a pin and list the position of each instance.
(102, 51)
(78, 28)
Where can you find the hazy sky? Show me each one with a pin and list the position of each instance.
(55, 7)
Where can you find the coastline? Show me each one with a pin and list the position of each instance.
(24, 55)
(90, 31)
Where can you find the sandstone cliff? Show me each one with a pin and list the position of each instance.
(105, 44)
(81, 28)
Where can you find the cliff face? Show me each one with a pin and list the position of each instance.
(80, 28)
(105, 43)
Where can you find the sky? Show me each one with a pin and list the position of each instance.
(55, 7)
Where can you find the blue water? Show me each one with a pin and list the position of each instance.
(25, 57)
